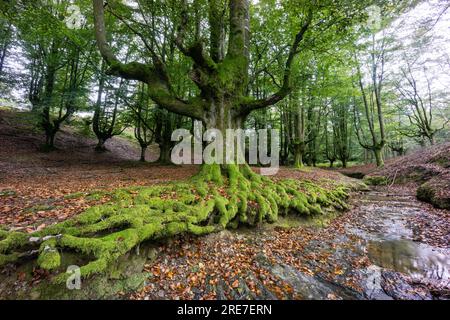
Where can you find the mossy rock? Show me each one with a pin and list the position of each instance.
(376, 180)
(126, 275)
(97, 288)
(430, 192)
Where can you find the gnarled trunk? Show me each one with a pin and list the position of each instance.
(222, 116)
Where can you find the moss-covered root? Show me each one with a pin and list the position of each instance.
(216, 198)
(250, 199)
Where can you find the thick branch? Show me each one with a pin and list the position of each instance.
(131, 71)
(286, 86)
(217, 34)
(195, 50)
(154, 76)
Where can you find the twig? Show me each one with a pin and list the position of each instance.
(393, 180)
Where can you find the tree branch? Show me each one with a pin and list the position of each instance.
(158, 81)
(195, 50)
(286, 86)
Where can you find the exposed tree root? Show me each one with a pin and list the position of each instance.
(214, 199)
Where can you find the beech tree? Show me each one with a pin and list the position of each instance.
(221, 76)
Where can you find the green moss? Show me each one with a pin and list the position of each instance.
(12, 240)
(215, 199)
(40, 207)
(376, 180)
(49, 258)
(7, 193)
(230, 73)
(75, 195)
(8, 258)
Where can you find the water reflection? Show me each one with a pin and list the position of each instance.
(414, 259)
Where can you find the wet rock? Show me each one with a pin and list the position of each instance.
(397, 286)
(309, 287)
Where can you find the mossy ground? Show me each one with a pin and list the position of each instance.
(215, 199)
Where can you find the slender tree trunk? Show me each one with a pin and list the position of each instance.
(143, 151)
(4, 49)
(431, 139)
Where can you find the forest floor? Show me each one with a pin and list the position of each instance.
(389, 245)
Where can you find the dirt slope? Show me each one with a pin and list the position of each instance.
(429, 168)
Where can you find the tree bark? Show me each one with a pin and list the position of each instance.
(100, 147)
(378, 153)
(50, 140)
(143, 151)
(298, 157)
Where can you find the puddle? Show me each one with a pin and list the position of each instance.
(414, 259)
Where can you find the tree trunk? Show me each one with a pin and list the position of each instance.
(50, 140)
(298, 157)
(378, 153)
(165, 153)
(101, 145)
(331, 164)
(431, 138)
(143, 151)
(222, 116)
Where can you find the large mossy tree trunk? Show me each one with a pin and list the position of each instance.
(222, 79)
(299, 150)
(198, 206)
(223, 102)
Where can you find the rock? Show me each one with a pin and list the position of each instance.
(152, 254)
(310, 287)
